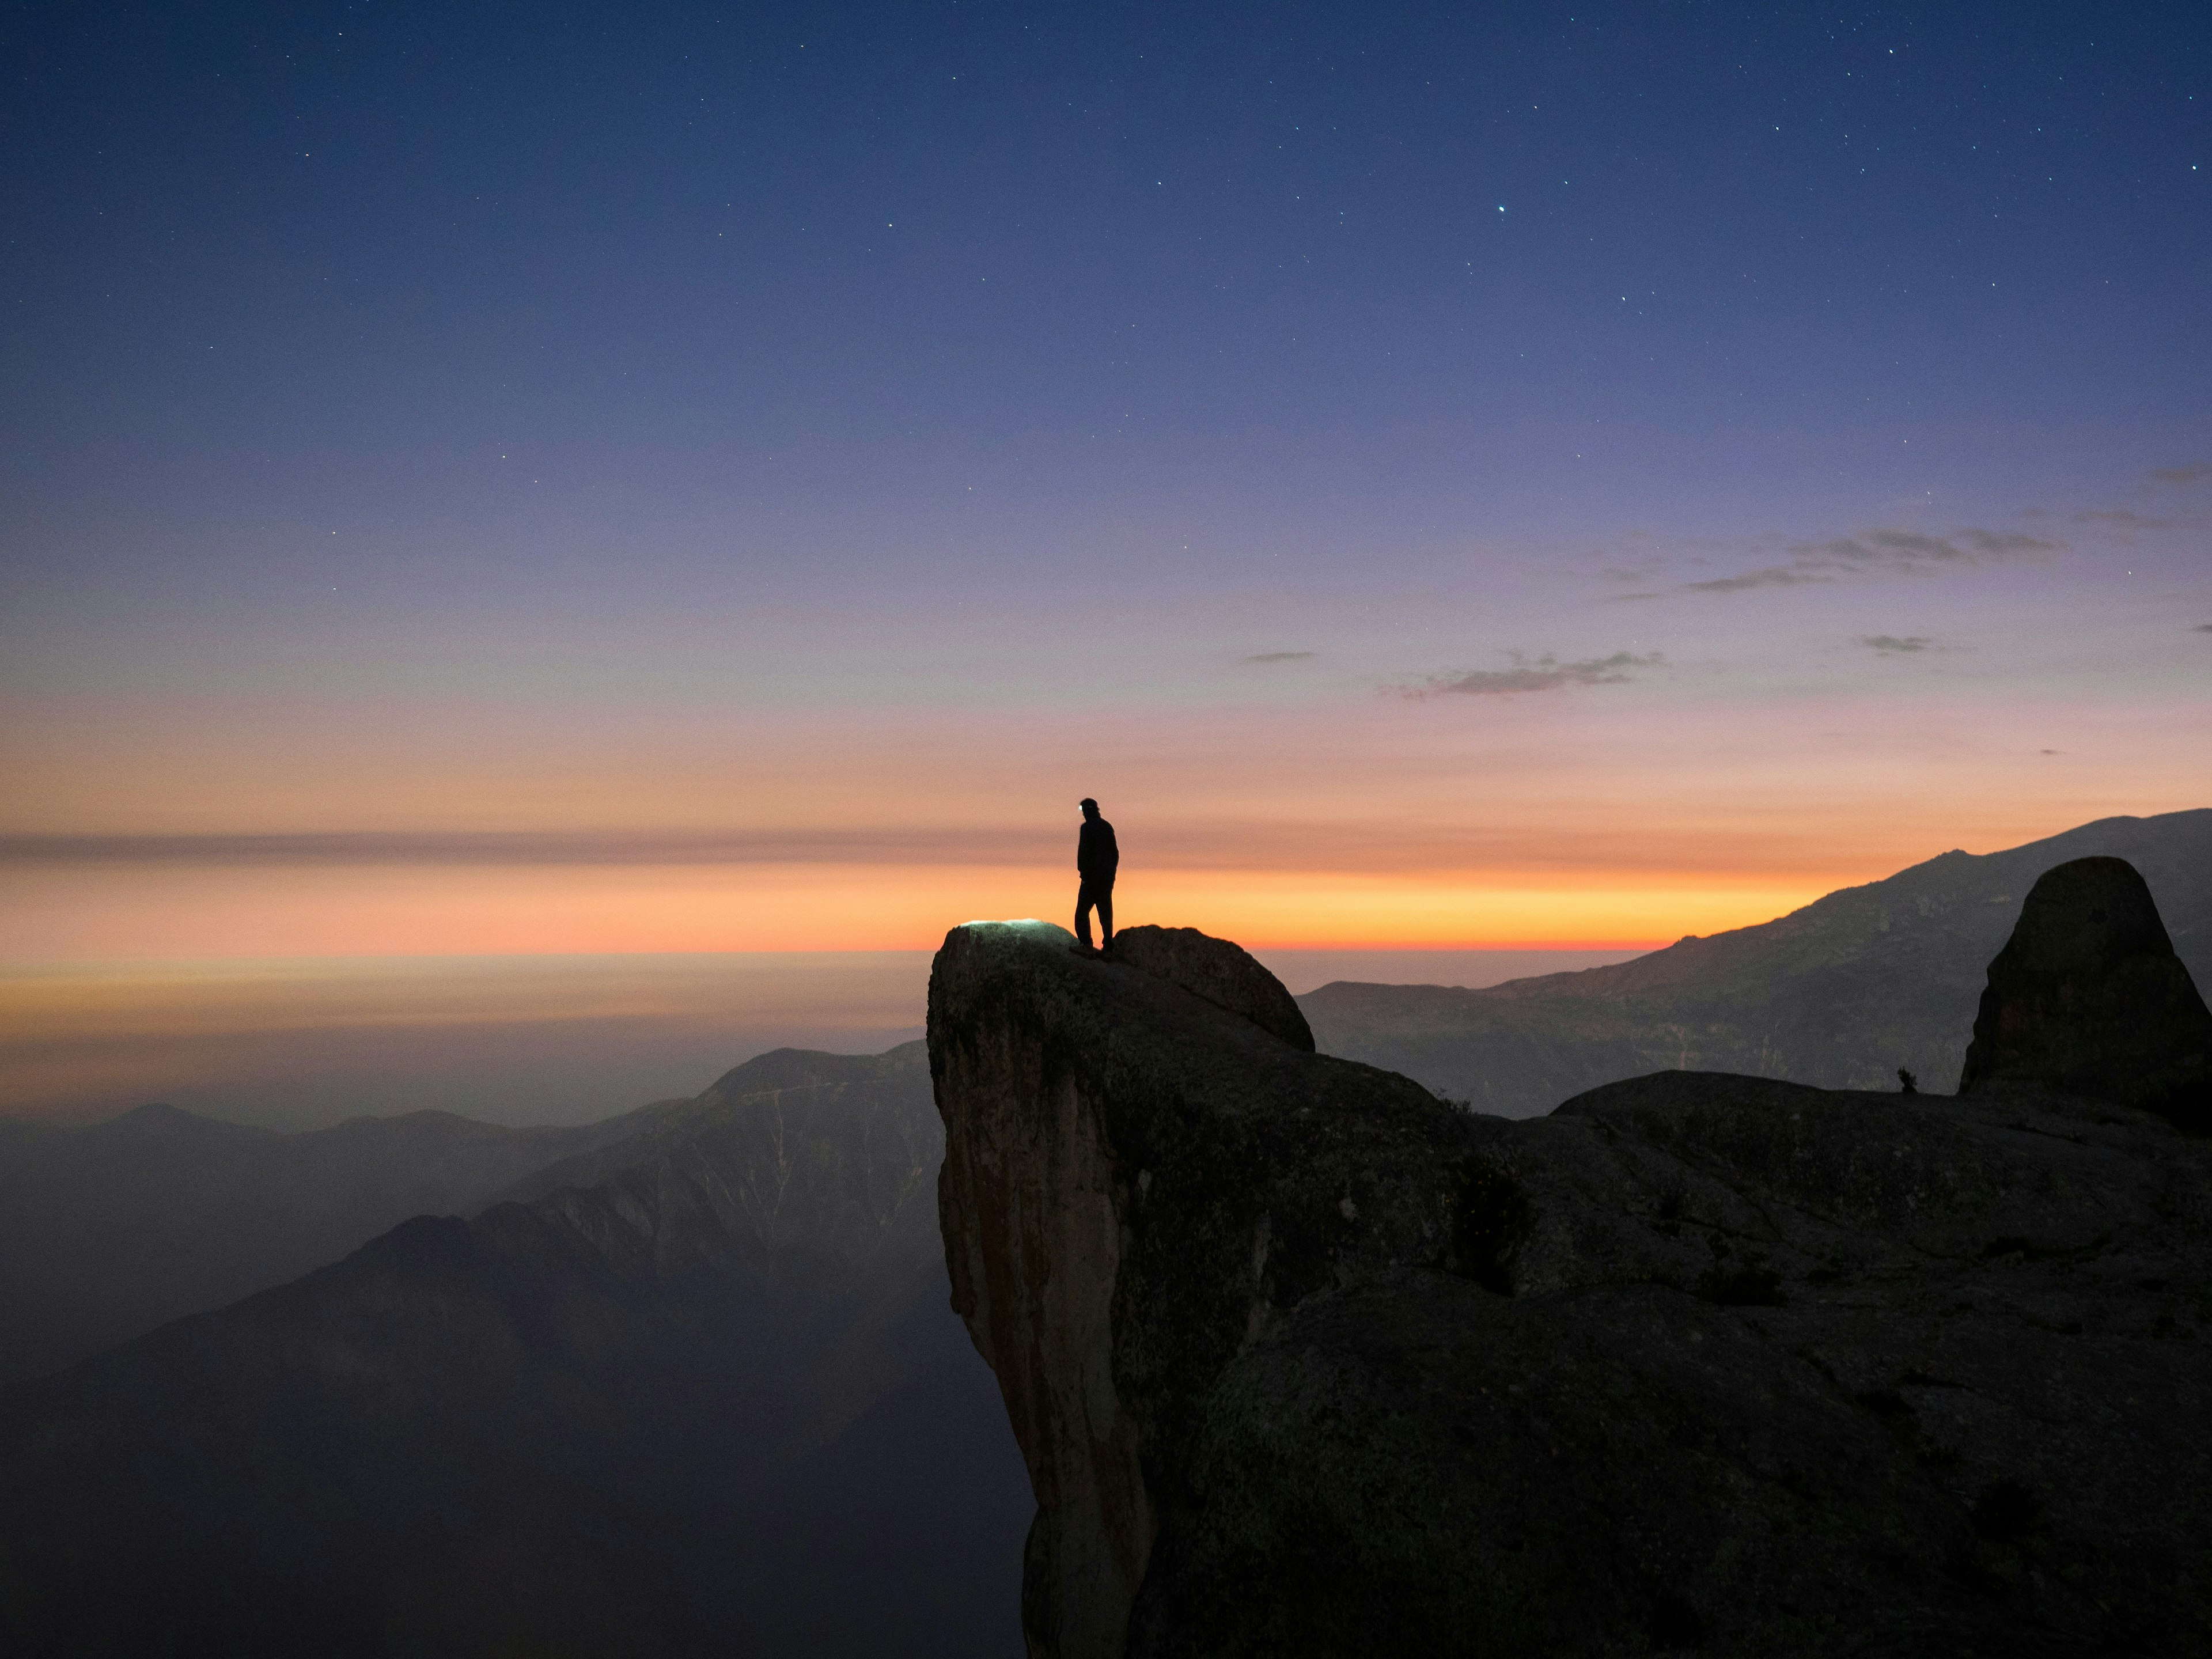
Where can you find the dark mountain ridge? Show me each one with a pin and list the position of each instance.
(108, 1229)
(1839, 995)
(699, 1392)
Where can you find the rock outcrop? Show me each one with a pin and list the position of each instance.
(1226, 975)
(1304, 1361)
(2088, 998)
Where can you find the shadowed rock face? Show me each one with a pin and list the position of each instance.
(1072, 1093)
(1303, 1361)
(2088, 998)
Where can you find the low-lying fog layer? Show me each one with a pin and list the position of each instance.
(554, 1039)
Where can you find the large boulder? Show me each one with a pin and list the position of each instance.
(1226, 974)
(2088, 998)
(1304, 1361)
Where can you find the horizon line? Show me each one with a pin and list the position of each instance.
(1583, 947)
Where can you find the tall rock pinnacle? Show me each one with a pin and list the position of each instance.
(2088, 998)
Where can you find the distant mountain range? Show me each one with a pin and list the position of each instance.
(1839, 995)
(110, 1230)
(695, 1390)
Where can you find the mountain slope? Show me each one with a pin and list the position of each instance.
(1839, 995)
(620, 1417)
(110, 1230)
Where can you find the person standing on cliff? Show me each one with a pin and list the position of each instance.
(1097, 858)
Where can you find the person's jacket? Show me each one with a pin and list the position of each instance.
(1095, 855)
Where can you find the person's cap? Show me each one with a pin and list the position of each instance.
(1087, 801)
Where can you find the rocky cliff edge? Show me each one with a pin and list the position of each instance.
(1304, 1361)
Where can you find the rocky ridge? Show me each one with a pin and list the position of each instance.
(1840, 993)
(1304, 1361)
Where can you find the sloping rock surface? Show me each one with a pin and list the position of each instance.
(1840, 993)
(1304, 1361)
(1223, 974)
(2089, 997)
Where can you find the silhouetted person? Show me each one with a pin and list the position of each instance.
(1097, 858)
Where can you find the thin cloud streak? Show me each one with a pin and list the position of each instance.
(1891, 644)
(1773, 576)
(1546, 673)
(1897, 552)
(1280, 846)
(2121, 519)
(887, 845)
(2182, 475)
(1284, 656)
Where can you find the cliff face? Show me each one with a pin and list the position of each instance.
(1302, 1360)
(1070, 1091)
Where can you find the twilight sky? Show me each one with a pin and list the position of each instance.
(503, 478)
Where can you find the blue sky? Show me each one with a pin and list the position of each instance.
(1770, 440)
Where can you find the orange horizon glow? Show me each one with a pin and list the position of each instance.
(1339, 820)
(62, 914)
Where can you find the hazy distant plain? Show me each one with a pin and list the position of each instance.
(298, 1044)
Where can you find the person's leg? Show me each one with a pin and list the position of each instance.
(1083, 904)
(1106, 919)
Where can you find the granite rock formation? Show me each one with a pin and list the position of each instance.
(1304, 1361)
(2088, 998)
